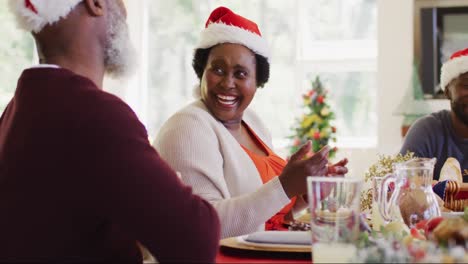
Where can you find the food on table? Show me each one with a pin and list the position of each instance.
(432, 224)
(417, 233)
(452, 229)
(452, 189)
(298, 226)
(341, 213)
(442, 204)
(413, 205)
(397, 227)
(451, 171)
(305, 218)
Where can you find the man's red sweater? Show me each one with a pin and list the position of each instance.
(79, 181)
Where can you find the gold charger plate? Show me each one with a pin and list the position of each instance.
(304, 218)
(240, 243)
(327, 217)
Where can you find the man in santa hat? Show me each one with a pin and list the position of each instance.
(79, 181)
(444, 134)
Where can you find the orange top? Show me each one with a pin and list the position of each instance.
(268, 167)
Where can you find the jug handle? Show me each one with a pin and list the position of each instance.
(383, 203)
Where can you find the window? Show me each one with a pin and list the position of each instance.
(335, 39)
(16, 53)
(338, 43)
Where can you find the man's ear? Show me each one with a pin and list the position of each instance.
(447, 90)
(95, 7)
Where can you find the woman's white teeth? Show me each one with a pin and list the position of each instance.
(226, 99)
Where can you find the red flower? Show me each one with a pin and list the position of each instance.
(320, 99)
(335, 149)
(333, 129)
(317, 135)
(310, 93)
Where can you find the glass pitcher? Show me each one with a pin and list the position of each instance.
(412, 199)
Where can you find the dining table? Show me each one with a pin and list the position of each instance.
(226, 255)
(230, 251)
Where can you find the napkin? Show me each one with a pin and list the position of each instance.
(280, 237)
(439, 189)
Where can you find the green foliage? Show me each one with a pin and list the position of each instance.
(315, 124)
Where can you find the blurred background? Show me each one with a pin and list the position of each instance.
(363, 51)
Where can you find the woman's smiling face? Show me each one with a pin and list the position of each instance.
(229, 81)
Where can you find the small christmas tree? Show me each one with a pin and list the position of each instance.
(315, 122)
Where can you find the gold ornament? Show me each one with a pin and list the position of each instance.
(381, 168)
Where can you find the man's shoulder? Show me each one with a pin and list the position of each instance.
(441, 116)
(434, 120)
(429, 128)
(88, 105)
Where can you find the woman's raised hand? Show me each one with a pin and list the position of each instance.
(293, 177)
(338, 168)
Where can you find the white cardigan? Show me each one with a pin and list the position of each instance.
(210, 160)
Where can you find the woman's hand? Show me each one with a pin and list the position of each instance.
(338, 168)
(293, 177)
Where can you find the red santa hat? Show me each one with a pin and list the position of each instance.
(456, 66)
(225, 26)
(34, 15)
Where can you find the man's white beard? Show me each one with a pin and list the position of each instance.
(120, 55)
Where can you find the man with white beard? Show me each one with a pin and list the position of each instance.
(79, 181)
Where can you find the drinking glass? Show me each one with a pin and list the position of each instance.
(335, 209)
(377, 220)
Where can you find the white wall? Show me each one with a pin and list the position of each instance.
(395, 58)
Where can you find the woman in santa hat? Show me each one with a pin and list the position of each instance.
(222, 148)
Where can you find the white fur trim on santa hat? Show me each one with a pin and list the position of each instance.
(48, 12)
(217, 33)
(452, 69)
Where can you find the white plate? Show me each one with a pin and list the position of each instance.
(240, 243)
(452, 214)
(241, 240)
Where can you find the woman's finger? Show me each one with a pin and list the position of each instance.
(322, 153)
(301, 152)
(341, 163)
(337, 170)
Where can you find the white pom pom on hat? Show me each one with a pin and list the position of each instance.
(34, 15)
(456, 66)
(224, 26)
